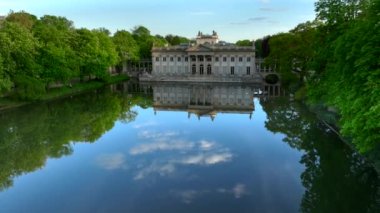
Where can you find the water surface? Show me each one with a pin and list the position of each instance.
(178, 148)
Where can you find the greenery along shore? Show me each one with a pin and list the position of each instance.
(333, 60)
(36, 52)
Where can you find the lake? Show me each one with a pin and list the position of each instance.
(178, 148)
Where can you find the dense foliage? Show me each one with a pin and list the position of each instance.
(38, 52)
(335, 60)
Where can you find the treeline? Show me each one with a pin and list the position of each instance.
(335, 60)
(36, 52)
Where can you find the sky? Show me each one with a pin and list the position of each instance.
(232, 19)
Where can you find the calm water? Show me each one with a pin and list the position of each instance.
(177, 148)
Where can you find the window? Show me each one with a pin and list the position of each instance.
(224, 59)
(248, 59)
(200, 58)
(232, 59)
(209, 69)
(216, 58)
(240, 59)
(201, 69)
(248, 70)
(186, 59)
(157, 59)
(164, 58)
(232, 70)
(171, 59)
(193, 58)
(179, 58)
(208, 58)
(193, 69)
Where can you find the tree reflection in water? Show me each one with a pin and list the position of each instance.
(336, 178)
(31, 134)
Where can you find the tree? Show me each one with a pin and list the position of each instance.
(22, 18)
(144, 40)
(176, 40)
(19, 51)
(57, 57)
(126, 46)
(348, 75)
(5, 81)
(84, 46)
(106, 54)
(245, 42)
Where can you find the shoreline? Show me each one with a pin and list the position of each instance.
(61, 92)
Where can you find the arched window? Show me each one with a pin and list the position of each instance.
(201, 69)
(209, 69)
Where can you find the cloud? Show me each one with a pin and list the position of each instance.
(160, 146)
(188, 196)
(206, 145)
(260, 18)
(155, 168)
(264, 1)
(252, 20)
(239, 190)
(146, 134)
(111, 161)
(207, 158)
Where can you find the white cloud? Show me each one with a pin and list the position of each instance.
(161, 146)
(111, 161)
(206, 145)
(146, 134)
(155, 168)
(207, 158)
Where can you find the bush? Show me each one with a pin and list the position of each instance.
(301, 94)
(28, 88)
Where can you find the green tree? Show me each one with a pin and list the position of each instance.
(19, 51)
(144, 41)
(106, 54)
(96, 53)
(126, 46)
(57, 57)
(292, 53)
(176, 40)
(245, 42)
(5, 81)
(22, 18)
(348, 69)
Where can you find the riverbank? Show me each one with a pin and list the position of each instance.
(9, 102)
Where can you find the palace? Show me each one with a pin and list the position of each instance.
(206, 60)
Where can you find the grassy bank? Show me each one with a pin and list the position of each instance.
(9, 102)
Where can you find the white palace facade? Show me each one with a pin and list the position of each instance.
(206, 60)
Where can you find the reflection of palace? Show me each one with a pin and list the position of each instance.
(208, 60)
(203, 99)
